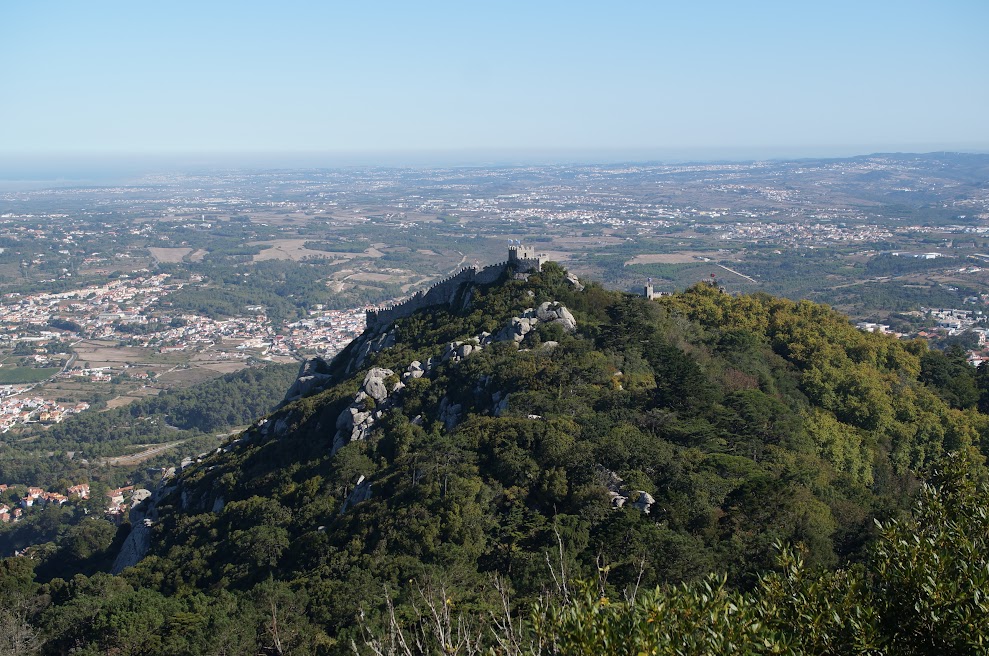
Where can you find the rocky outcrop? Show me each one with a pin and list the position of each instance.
(361, 492)
(143, 515)
(356, 421)
(517, 328)
(449, 413)
(499, 403)
(642, 500)
(620, 495)
(415, 370)
(313, 374)
(556, 312)
(548, 312)
(374, 384)
(370, 346)
(376, 394)
(353, 425)
(457, 351)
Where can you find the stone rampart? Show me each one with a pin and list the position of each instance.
(445, 291)
(439, 294)
(490, 274)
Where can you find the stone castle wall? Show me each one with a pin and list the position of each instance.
(445, 291)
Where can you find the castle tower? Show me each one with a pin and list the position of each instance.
(525, 258)
(650, 293)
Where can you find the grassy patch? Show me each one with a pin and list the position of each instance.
(22, 375)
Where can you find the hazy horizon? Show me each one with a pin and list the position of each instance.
(30, 171)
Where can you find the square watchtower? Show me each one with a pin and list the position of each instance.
(525, 258)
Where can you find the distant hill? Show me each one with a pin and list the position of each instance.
(540, 431)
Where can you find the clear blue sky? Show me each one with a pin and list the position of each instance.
(214, 76)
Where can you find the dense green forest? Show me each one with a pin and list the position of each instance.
(73, 449)
(704, 474)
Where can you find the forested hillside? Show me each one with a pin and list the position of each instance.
(75, 449)
(703, 473)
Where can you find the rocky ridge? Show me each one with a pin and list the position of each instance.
(380, 390)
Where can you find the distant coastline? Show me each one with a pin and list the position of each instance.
(32, 172)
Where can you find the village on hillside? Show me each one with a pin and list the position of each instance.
(119, 500)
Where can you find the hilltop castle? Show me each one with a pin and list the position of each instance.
(650, 293)
(522, 260)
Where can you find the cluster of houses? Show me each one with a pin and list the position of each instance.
(119, 500)
(870, 327)
(324, 331)
(948, 322)
(95, 308)
(35, 496)
(801, 234)
(24, 410)
(955, 321)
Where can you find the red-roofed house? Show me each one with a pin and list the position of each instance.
(81, 491)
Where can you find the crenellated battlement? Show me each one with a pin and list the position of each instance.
(521, 259)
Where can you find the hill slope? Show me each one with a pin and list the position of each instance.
(663, 439)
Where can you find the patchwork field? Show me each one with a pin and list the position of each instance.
(295, 249)
(106, 353)
(290, 249)
(169, 255)
(682, 257)
(378, 277)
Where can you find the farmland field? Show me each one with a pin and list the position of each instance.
(23, 375)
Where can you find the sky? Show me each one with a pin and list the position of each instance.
(312, 81)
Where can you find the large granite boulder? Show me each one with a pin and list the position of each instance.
(555, 312)
(374, 384)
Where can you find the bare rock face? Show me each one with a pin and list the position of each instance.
(353, 424)
(143, 515)
(499, 403)
(370, 347)
(357, 420)
(361, 492)
(312, 375)
(516, 330)
(545, 313)
(304, 385)
(450, 352)
(643, 501)
(450, 413)
(457, 351)
(574, 282)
